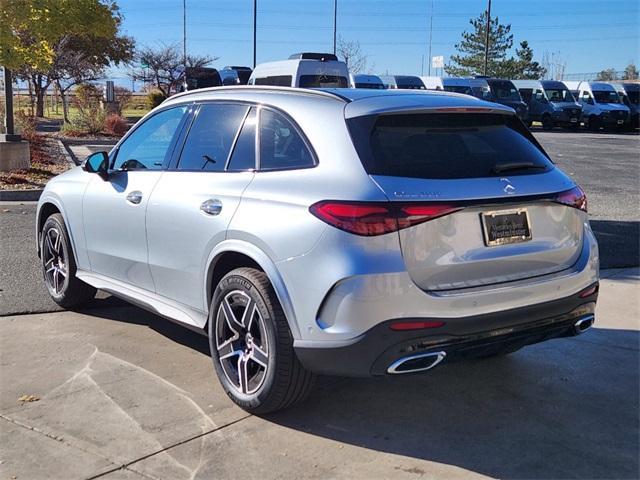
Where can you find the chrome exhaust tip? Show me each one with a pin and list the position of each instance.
(584, 324)
(416, 363)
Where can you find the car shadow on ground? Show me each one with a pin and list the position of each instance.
(561, 409)
(619, 243)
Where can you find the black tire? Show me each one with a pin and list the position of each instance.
(547, 122)
(59, 266)
(283, 381)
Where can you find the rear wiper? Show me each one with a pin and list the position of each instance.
(508, 166)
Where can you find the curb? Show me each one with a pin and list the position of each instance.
(20, 195)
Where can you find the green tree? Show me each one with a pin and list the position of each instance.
(470, 60)
(33, 31)
(631, 72)
(607, 75)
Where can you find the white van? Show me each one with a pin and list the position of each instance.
(601, 105)
(307, 70)
(367, 81)
(477, 87)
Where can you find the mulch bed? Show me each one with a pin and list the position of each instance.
(47, 161)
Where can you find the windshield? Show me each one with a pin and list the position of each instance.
(559, 95)
(634, 97)
(323, 81)
(505, 91)
(458, 89)
(604, 96)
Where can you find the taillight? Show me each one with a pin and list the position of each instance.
(414, 325)
(575, 198)
(377, 218)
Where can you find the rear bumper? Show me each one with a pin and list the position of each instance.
(380, 348)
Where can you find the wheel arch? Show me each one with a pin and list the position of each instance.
(231, 254)
(46, 207)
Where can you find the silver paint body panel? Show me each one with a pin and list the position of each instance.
(333, 285)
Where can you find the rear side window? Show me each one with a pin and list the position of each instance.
(244, 153)
(445, 146)
(276, 80)
(323, 81)
(211, 137)
(281, 146)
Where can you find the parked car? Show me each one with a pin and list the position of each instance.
(550, 103)
(505, 92)
(629, 94)
(601, 105)
(367, 81)
(469, 86)
(403, 82)
(235, 75)
(338, 231)
(309, 70)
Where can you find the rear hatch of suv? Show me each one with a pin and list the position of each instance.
(478, 201)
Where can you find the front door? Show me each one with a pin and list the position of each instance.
(114, 210)
(193, 203)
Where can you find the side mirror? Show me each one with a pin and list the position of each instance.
(97, 163)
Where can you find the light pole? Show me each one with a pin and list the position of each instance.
(430, 35)
(184, 40)
(255, 24)
(486, 39)
(335, 24)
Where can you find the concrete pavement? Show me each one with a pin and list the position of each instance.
(125, 394)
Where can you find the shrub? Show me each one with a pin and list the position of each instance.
(155, 98)
(123, 97)
(91, 117)
(27, 124)
(115, 125)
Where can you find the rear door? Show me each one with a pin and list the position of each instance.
(497, 180)
(195, 200)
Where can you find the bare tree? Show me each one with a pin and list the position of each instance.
(351, 53)
(163, 67)
(555, 65)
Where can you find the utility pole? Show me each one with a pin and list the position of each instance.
(486, 39)
(184, 40)
(335, 24)
(10, 134)
(430, 35)
(255, 24)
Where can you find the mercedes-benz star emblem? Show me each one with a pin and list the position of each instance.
(508, 188)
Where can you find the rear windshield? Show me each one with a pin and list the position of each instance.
(323, 81)
(375, 86)
(409, 83)
(446, 146)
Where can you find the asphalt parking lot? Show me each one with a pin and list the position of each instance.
(121, 393)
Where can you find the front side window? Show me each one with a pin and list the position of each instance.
(281, 146)
(147, 148)
(211, 137)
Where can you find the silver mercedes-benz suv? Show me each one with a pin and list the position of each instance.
(345, 231)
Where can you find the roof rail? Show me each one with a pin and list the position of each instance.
(264, 88)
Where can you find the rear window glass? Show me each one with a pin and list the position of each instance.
(323, 81)
(445, 146)
(374, 86)
(410, 83)
(276, 80)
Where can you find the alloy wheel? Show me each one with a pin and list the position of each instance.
(241, 342)
(54, 260)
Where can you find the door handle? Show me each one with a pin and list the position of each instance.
(213, 206)
(134, 197)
